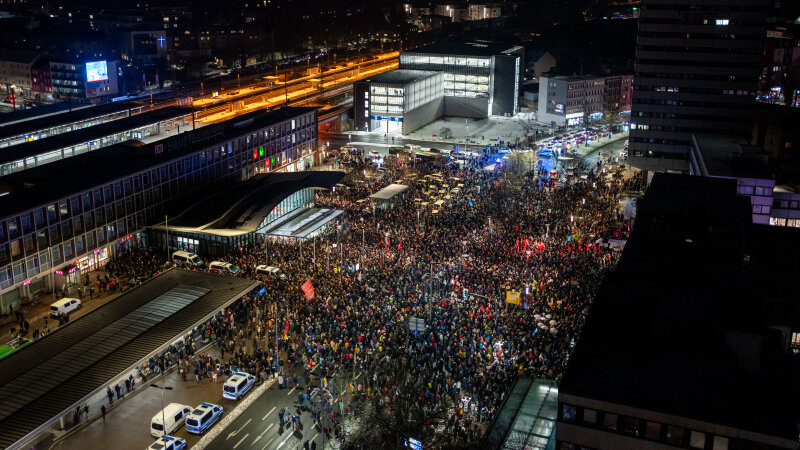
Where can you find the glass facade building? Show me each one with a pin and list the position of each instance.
(398, 99)
(464, 76)
(51, 242)
(480, 79)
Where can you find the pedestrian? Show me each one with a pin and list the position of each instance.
(118, 390)
(110, 395)
(103, 412)
(280, 417)
(127, 385)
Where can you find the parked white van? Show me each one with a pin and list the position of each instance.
(238, 385)
(271, 271)
(223, 267)
(174, 413)
(187, 259)
(64, 306)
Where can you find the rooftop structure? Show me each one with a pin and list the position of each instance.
(42, 151)
(241, 209)
(400, 76)
(464, 48)
(689, 342)
(41, 127)
(48, 378)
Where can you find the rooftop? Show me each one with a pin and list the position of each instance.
(464, 48)
(39, 382)
(400, 76)
(76, 115)
(21, 115)
(47, 183)
(732, 156)
(83, 135)
(389, 191)
(240, 207)
(696, 320)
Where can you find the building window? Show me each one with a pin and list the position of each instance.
(675, 435)
(610, 421)
(630, 425)
(723, 22)
(590, 416)
(569, 413)
(697, 439)
(796, 339)
(653, 430)
(720, 443)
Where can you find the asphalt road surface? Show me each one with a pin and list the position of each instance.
(258, 427)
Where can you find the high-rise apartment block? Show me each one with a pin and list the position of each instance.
(697, 67)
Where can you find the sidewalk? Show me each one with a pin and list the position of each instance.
(128, 419)
(35, 313)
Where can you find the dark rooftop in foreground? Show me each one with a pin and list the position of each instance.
(41, 123)
(732, 156)
(241, 207)
(464, 48)
(42, 380)
(696, 320)
(400, 76)
(83, 135)
(47, 183)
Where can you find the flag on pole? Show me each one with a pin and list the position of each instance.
(308, 289)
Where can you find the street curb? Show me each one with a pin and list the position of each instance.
(233, 415)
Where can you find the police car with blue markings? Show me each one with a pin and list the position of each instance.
(238, 385)
(167, 442)
(203, 417)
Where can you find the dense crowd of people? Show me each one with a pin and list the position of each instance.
(453, 269)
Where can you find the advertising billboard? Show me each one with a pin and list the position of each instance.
(96, 71)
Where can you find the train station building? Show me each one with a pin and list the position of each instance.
(65, 218)
(234, 215)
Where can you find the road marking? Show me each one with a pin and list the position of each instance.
(263, 433)
(314, 438)
(234, 433)
(290, 392)
(240, 440)
(268, 442)
(270, 412)
(288, 435)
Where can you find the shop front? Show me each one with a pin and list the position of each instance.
(574, 119)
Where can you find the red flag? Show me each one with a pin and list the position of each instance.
(308, 289)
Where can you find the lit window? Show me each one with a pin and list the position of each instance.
(697, 439)
(723, 22)
(720, 443)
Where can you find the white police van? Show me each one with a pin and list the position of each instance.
(238, 385)
(186, 259)
(223, 267)
(272, 271)
(201, 419)
(167, 442)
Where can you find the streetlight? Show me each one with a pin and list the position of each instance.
(163, 421)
